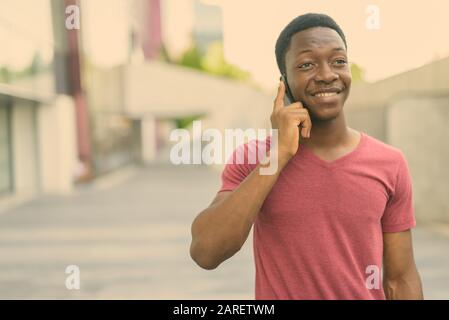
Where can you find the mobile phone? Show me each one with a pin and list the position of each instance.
(288, 99)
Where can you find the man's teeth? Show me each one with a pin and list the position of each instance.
(326, 94)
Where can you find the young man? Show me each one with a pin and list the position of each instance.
(339, 207)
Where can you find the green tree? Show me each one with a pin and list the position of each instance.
(357, 72)
(191, 58)
(184, 122)
(212, 62)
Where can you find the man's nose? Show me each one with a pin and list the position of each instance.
(326, 74)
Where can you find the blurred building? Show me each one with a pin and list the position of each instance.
(37, 125)
(207, 25)
(134, 100)
(188, 22)
(155, 95)
(128, 33)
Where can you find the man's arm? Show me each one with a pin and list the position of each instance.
(220, 230)
(401, 280)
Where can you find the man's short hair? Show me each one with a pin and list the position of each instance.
(300, 23)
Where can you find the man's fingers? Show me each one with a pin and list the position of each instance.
(279, 100)
(295, 106)
(306, 127)
(303, 119)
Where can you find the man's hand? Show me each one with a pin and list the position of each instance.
(287, 119)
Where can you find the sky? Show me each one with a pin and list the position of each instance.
(25, 27)
(410, 33)
(105, 31)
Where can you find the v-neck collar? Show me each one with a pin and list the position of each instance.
(344, 158)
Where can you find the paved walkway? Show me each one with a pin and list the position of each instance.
(130, 233)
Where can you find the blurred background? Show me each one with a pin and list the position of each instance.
(90, 91)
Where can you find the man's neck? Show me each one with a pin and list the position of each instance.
(328, 134)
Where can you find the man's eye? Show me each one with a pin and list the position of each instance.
(340, 61)
(305, 65)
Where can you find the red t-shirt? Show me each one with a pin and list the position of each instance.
(319, 232)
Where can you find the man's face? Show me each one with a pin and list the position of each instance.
(318, 72)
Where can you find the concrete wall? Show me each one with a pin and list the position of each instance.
(429, 79)
(24, 149)
(369, 120)
(172, 91)
(419, 127)
(105, 89)
(57, 145)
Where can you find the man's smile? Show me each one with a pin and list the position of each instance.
(326, 91)
(330, 95)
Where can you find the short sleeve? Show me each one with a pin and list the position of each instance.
(240, 164)
(399, 213)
